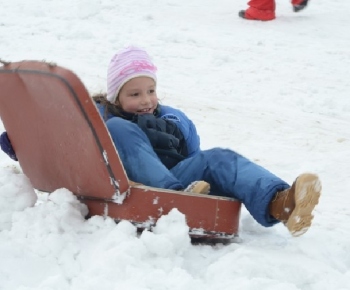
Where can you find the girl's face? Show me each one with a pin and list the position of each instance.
(138, 96)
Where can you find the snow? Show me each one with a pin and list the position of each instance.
(277, 92)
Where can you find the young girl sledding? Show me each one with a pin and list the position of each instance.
(159, 147)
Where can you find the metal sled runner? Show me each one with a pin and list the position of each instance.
(61, 141)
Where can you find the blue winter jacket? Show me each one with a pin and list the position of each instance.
(168, 156)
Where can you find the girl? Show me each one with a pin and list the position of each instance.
(159, 147)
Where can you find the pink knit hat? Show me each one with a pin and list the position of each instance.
(127, 64)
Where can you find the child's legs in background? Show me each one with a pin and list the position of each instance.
(261, 9)
(141, 163)
(263, 4)
(232, 175)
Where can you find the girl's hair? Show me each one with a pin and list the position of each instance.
(101, 98)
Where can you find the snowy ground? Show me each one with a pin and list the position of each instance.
(278, 92)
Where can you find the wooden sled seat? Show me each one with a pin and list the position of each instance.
(61, 141)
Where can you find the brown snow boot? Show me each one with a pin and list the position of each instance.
(199, 186)
(294, 206)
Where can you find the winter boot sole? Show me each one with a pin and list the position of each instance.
(299, 6)
(307, 193)
(200, 186)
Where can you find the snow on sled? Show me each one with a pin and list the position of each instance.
(61, 141)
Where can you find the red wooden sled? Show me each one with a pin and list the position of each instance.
(62, 142)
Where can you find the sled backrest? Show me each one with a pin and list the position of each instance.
(57, 133)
